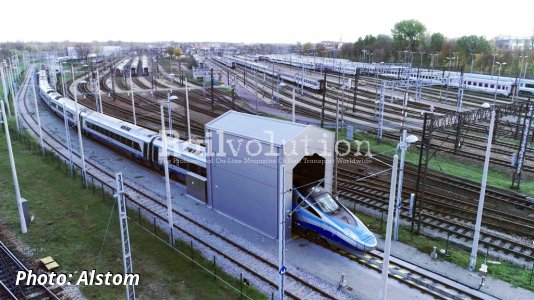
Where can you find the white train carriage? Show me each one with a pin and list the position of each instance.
(526, 86)
(144, 65)
(126, 137)
(120, 68)
(134, 66)
(486, 84)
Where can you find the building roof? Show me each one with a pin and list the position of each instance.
(263, 129)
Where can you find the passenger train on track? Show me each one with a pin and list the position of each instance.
(471, 81)
(319, 213)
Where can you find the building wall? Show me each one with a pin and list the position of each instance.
(242, 189)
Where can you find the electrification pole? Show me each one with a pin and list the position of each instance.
(476, 237)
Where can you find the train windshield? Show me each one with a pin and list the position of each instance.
(327, 204)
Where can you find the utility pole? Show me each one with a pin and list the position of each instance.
(516, 179)
(389, 224)
(187, 110)
(14, 96)
(22, 219)
(165, 159)
(69, 143)
(133, 99)
(293, 119)
(5, 88)
(125, 235)
(324, 98)
(80, 140)
(403, 147)
(41, 143)
(474, 249)
(281, 232)
(212, 100)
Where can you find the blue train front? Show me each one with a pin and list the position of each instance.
(316, 211)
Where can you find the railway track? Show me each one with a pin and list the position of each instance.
(9, 266)
(443, 213)
(139, 197)
(473, 146)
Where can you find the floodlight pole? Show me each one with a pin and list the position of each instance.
(476, 237)
(22, 219)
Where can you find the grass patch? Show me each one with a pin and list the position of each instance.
(70, 225)
(515, 275)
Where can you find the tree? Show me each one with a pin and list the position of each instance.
(177, 52)
(408, 34)
(468, 45)
(346, 50)
(436, 42)
(307, 47)
(169, 50)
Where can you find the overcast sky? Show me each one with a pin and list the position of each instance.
(251, 21)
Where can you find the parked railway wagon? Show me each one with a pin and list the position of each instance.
(119, 69)
(144, 65)
(134, 67)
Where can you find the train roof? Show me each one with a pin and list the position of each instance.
(184, 149)
(120, 126)
(135, 62)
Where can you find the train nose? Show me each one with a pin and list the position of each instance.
(369, 242)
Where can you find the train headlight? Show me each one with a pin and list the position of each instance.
(350, 234)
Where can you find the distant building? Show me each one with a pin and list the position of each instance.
(72, 52)
(508, 42)
(110, 50)
(331, 46)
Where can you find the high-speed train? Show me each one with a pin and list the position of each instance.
(320, 214)
(137, 142)
(317, 211)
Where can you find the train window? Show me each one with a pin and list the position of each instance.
(529, 85)
(492, 86)
(312, 210)
(485, 85)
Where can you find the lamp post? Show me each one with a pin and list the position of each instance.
(497, 85)
(518, 80)
(449, 77)
(403, 145)
(493, 64)
(387, 248)
(169, 99)
(80, 140)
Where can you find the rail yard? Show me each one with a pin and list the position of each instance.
(398, 166)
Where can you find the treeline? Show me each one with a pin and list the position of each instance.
(409, 41)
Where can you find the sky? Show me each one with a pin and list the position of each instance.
(267, 21)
